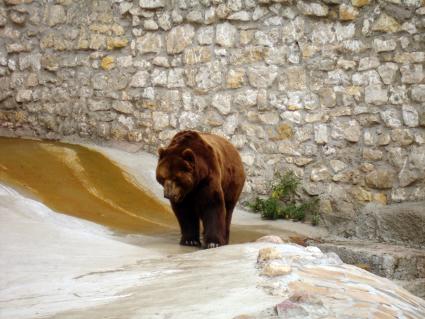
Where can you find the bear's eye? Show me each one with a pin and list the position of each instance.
(160, 179)
(187, 168)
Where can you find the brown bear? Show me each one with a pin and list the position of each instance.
(203, 176)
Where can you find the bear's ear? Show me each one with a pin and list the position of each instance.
(188, 155)
(161, 152)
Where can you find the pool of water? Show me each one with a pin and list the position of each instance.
(77, 181)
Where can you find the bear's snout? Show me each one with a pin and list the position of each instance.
(171, 191)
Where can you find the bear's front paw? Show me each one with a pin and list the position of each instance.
(190, 242)
(212, 245)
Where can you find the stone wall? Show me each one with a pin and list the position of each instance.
(334, 90)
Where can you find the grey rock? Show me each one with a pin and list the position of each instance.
(321, 133)
(397, 11)
(231, 124)
(222, 102)
(353, 132)
(240, 16)
(245, 98)
(262, 76)
(207, 77)
(179, 38)
(176, 78)
(159, 77)
(150, 25)
(164, 21)
(366, 78)
(98, 105)
(195, 16)
(388, 72)
(391, 118)
(368, 63)
(56, 15)
(140, 79)
(18, 17)
(3, 17)
(205, 35)
(327, 97)
(225, 34)
(418, 92)
(189, 120)
(23, 96)
(412, 74)
(293, 78)
(150, 42)
(319, 173)
(210, 16)
(396, 223)
(32, 61)
(269, 118)
(384, 45)
(123, 107)
(312, 8)
(152, 4)
(403, 137)
(410, 116)
(381, 178)
(375, 94)
(160, 120)
(292, 116)
(259, 12)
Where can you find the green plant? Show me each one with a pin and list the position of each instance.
(256, 205)
(285, 186)
(270, 208)
(285, 202)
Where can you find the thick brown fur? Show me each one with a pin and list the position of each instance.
(203, 177)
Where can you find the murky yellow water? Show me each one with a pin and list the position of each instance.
(77, 181)
(81, 182)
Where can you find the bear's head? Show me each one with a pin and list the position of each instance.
(176, 172)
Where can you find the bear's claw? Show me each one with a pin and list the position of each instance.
(191, 243)
(212, 245)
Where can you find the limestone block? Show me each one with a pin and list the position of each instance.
(418, 93)
(56, 15)
(226, 34)
(179, 38)
(412, 74)
(381, 178)
(222, 102)
(313, 8)
(150, 42)
(262, 76)
(123, 107)
(152, 4)
(380, 45)
(410, 116)
(140, 79)
(375, 94)
(347, 13)
(386, 23)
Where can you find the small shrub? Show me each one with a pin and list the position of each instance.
(285, 186)
(270, 208)
(256, 205)
(285, 202)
